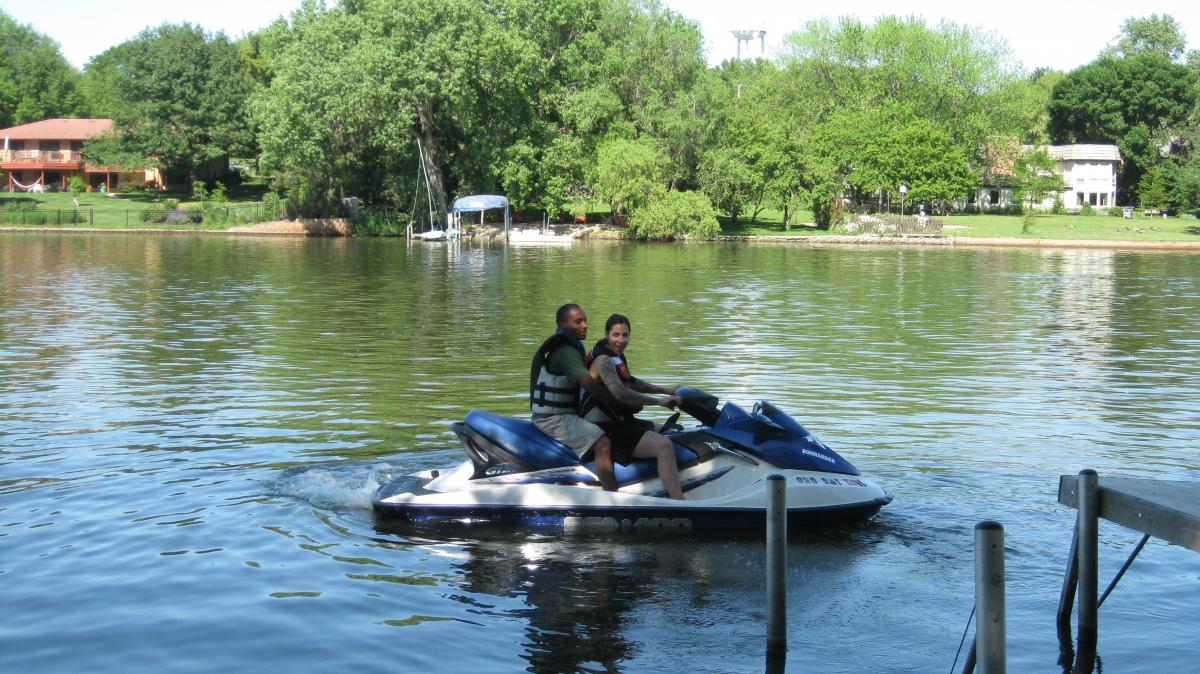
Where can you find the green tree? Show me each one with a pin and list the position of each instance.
(1140, 103)
(179, 96)
(670, 215)
(1154, 34)
(1152, 190)
(628, 174)
(729, 181)
(875, 106)
(1034, 180)
(36, 82)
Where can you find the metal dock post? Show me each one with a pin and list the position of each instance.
(989, 597)
(776, 567)
(1087, 562)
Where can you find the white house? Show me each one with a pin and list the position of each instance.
(1089, 172)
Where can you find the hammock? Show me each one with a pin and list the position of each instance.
(35, 186)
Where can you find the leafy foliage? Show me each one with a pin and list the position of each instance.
(177, 95)
(36, 82)
(1034, 180)
(1154, 34)
(674, 215)
(628, 173)
(1138, 102)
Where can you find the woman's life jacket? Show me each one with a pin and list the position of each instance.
(613, 410)
(551, 393)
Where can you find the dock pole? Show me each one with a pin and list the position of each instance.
(776, 563)
(1066, 604)
(1088, 561)
(989, 597)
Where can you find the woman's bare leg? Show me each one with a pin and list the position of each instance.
(655, 446)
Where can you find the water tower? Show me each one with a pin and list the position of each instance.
(748, 35)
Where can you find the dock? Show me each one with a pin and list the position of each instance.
(1165, 509)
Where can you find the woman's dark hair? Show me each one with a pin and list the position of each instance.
(616, 319)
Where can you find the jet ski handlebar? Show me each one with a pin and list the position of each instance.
(704, 407)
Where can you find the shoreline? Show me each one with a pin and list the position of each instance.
(327, 228)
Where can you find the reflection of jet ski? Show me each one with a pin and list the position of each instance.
(518, 475)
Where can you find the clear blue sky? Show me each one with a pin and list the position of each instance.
(1059, 35)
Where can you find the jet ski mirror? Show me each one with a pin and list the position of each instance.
(700, 405)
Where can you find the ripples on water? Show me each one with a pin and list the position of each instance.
(191, 428)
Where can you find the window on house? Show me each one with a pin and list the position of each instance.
(48, 145)
(1103, 199)
(76, 146)
(994, 197)
(1092, 198)
(1079, 198)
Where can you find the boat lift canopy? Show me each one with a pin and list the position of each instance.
(478, 203)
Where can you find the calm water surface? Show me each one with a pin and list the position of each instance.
(191, 428)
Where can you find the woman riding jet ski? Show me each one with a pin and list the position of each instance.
(515, 474)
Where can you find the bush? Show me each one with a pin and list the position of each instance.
(77, 184)
(673, 215)
(194, 214)
(1087, 209)
(1059, 208)
(824, 199)
(153, 215)
(1116, 211)
(272, 207)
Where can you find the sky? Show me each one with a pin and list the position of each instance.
(1058, 35)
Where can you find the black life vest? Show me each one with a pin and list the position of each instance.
(549, 392)
(613, 410)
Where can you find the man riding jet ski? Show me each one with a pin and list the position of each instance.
(515, 474)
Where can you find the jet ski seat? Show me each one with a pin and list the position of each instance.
(522, 440)
(493, 440)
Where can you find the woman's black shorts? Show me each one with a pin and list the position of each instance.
(624, 436)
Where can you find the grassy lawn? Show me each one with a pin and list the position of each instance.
(1079, 227)
(1100, 227)
(117, 211)
(770, 223)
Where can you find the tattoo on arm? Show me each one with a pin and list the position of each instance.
(612, 381)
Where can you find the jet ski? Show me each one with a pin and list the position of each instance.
(517, 475)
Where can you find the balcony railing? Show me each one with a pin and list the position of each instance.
(40, 157)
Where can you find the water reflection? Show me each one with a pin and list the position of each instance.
(153, 385)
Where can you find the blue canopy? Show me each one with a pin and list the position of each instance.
(479, 202)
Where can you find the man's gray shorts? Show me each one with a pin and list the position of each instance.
(570, 429)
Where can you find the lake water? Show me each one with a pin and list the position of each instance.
(191, 428)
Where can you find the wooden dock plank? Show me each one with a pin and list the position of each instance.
(1165, 509)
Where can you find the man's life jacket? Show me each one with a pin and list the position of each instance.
(613, 410)
(551, 393)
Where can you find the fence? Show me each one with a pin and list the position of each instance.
(151, 216)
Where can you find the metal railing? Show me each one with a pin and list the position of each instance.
(40, 156)
(153, 216)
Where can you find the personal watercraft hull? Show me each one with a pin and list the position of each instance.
(813, 500)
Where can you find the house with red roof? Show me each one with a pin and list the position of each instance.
(43, 156)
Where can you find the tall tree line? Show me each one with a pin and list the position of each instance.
(565, 103)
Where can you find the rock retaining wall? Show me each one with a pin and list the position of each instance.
(306, 226)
